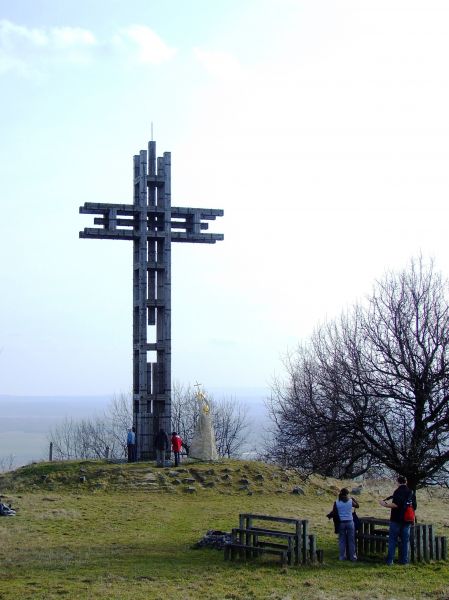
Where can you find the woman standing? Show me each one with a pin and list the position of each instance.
(176, 445)
(346, 531)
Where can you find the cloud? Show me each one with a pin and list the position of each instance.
(66, 37)
(25, 50)
(12, 34)
(30, 51)
(147, 46)
(221, 65)
(223, 343)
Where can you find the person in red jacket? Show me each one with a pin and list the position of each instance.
(176, 445)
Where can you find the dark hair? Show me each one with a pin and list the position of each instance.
(343, 494)
(174, 433)
(401, 479)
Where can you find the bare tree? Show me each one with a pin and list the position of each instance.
(372, 388)
(7, 463)
(230, 424)
(95, 437)
(63, 438)
(304, 431)
(185, 411)
(120, 418)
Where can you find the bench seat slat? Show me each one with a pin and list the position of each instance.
(267, 532)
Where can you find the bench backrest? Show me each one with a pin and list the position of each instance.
(247, 519)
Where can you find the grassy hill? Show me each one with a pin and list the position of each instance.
(91, 529)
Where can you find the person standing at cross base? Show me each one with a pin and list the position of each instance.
(131, 444)
(161, 445)
(399, 528)
(176, 445)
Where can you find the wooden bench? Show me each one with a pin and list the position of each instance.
(372, 539)
(233, 548)
(254, 545)
(294, 547)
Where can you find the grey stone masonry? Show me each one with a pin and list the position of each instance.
(152, 224)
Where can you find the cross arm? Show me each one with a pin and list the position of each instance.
(189, 222)
(98, 208)
(129, 223)
(128, 234)
(117, 221)
(205, 214)
(129, 210)
(97, 233)
(109, 221)
(199, 238)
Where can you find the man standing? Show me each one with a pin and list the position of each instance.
(131, 444)
(176, 445)
(402, 496)
(161, 445)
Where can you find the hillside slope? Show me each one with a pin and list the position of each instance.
(93, 529)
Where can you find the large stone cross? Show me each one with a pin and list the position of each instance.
(152, 224)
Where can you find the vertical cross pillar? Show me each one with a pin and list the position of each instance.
(152, 298)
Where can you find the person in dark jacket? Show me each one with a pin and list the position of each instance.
(398, 527)
(161, 445)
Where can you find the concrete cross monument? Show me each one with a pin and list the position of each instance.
(152, 224)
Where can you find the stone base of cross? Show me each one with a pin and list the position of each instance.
(152, 224)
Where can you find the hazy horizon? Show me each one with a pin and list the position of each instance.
(27, 420)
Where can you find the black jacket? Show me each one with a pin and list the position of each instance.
(401, 496)
(161, 441)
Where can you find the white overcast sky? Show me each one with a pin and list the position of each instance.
(320, 127)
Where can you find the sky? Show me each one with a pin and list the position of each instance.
(320, 127)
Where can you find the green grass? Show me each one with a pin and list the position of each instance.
(127, 532)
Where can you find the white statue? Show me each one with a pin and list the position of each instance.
(203, 442)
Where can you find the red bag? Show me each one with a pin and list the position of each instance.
(409, 514)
